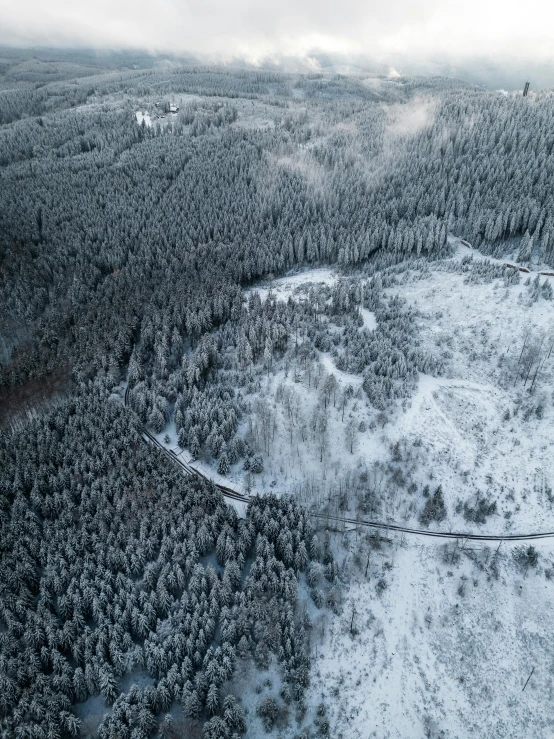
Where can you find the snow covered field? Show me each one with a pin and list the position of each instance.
(443, 649)
(284, 287)
(480, 426)
(445, 645)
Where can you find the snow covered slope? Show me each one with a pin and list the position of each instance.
(483, 431)
(440, 640)
(443, 642)
(436, 640)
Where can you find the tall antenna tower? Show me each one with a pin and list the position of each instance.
(526, 89)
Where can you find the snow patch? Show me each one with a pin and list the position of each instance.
(370, 322)
(143, 116)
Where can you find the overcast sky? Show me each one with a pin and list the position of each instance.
(257, 29)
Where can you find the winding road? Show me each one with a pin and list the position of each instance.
(231, 494)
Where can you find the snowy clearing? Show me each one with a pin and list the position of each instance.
(370, 322)
(284, 287)
(442, 648)
(143, 116)
(479, 425)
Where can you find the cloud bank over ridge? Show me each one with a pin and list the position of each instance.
(399, 33)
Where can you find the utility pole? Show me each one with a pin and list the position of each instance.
(526, 89)
(530, 676)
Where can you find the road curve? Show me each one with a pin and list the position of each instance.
(378, 525)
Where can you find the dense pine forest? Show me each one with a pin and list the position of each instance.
(114, 564)
(127, 241)
(106, 224)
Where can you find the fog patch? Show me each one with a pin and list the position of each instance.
(302, 162)
(345, 127)
(411, 118)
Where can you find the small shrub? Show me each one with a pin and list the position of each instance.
(435, 509)
(257, 464)
(300, 713)
(382, 419)
(285, 693)
(479, 512)
(527, 413)
(526, 557)
(322, 721)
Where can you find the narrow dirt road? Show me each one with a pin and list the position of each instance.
(378, 525)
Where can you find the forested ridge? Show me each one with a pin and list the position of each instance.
(105, 223)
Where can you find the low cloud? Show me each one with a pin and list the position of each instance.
(398, 34)
(412, 118)
(303, 164)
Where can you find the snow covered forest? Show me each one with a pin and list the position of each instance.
(335, 295)
(105, 223)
